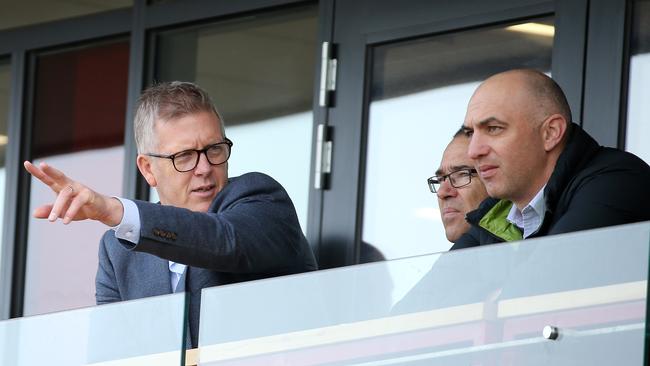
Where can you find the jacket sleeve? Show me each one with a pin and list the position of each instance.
(251, 227)
(106, 290)
(613, 195)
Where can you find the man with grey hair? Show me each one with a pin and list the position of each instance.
(457, 187)
(208, 229)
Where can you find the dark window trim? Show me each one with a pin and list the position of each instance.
(22, 123)
(568, 67)
(320, 115)
(132, 183)
(604, 72)
(12, 168)
(178, 12)
(460, 24)
(625, 83)
(66, 31)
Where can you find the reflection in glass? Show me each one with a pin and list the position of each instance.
(28, 12)
(419, 93)
(5, 69)
(484, 306)
(259, 73)
(140, 332)
(78, 127)
(638, 109)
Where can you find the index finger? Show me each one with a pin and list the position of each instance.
(38, 173)
(49, 175)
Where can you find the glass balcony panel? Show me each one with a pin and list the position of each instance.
(486, 305)
(139, 332)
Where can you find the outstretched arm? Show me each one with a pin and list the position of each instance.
(74, 201)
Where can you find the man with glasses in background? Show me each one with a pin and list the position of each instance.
(459, 191)
(457, 186)
(208, 229)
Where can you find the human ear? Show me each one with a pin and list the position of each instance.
(144, 165)
(553, 130)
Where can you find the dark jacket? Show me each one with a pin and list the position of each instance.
(591, 186)
(250, 231)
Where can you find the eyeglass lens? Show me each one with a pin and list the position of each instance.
(457, 179)
(188, 160)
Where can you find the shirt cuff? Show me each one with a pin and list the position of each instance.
(129, 228)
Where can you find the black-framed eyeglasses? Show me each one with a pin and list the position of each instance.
(187, 160)
(459, 178)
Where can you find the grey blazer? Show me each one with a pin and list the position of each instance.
(250, 231)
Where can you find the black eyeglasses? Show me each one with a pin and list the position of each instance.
(457, 179)
(187, 160)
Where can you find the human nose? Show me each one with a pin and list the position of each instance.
(203, 166)
(446, 190)
(477, 147)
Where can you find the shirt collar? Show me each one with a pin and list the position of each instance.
(531, 217)
(176, 268)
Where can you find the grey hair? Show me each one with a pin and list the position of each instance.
(167, 101)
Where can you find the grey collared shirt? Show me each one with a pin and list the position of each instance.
(531, 217)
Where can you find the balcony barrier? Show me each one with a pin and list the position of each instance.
(570, 299)
(139, 332)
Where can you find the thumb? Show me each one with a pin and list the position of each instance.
(42, 212)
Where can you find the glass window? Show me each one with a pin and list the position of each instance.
(28, 12)
(259, 72)
(638, 109)
(418, 97)
(5, 82)
(78, 127)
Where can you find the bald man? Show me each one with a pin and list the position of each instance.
(457, 186)
(544, 174)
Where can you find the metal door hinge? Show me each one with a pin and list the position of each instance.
(327, 75)
(323, 165)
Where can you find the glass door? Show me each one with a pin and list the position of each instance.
(405, 75)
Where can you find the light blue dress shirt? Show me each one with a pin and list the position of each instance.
(531, 217)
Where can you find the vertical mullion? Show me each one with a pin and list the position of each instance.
(625, 74)
(12, 170)
(18, 180)
(320, 115)
(604, 70)
(132, 181)
(569, 49)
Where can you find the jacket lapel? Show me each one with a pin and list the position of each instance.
(155, 271)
